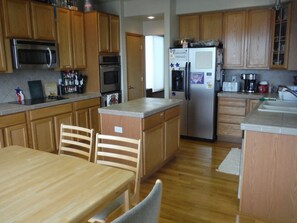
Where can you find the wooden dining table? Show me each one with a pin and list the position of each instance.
(37, 186)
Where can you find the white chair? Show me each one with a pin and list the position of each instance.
(76, 141)
(147, 211)
(119, 152)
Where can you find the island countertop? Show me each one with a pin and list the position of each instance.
(271, 122)
(140, 108)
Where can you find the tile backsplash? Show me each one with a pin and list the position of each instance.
(19, 78)
(274, 77)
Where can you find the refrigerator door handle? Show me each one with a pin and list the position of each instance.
(188, 88)
(186, 81)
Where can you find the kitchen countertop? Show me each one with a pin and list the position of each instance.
(270, 122)
(8, 108)
(140, 108)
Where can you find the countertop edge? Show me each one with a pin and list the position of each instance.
(8, 109)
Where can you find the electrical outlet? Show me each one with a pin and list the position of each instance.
(118, 129)
(233, 78)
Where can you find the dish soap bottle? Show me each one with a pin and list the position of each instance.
(20, 95)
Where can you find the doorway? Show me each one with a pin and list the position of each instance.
(135, 66)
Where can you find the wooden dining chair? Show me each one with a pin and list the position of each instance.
(76, 141)
(119, 152)
(147, 211)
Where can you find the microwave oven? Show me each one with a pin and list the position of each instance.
(32, 54)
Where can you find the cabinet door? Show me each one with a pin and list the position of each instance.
(114, 34)
(211, 26)
(258, 38)
(43, 21)
(103, 23)
(1, 139)
(172, 135)
(82, 118)
(252, 105)
(189, 27)
(3, 66)
(17, 20)
(153, 148)
(78, 40)
(16, 135)
(66, 119)
(234, 39)
(94, 119)
(43, 135)
(64, 38)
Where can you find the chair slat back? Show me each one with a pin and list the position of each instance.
(76, 141)
(120, 152)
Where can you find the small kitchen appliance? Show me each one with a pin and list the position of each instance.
(263, 87)
(249, 85)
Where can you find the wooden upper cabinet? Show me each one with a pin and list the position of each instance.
(27, 19)
(78, 40)
(189, 27)
(234, 39)
(3, 66)
(258, 38)
(211, 26)
(43, 21)
(114, 34)
(103, 23)
(17, 18)
(109, 33)
(64, 38)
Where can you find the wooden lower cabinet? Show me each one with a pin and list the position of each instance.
(1, 139)
(13, 130)
(86, 113)
(153, 147)
(231, 112)
(45, 126)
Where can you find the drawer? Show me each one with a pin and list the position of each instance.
(50, 111)
(241, 111)
(14, 119)
(229, 130)
(172, 112)
(153, 120)
(233, 102)
(86, 103)
(232, 119)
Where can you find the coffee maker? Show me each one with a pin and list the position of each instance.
(249, 84)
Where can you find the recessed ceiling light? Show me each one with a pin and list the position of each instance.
(150, 17)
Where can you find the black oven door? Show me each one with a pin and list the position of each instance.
(110, 78)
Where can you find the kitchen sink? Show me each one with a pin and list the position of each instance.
(279, 106)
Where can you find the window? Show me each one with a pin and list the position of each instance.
(154, 59)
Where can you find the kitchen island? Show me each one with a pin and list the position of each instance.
(268, 181)
(156, 121)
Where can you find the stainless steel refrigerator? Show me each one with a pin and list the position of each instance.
(195, 77)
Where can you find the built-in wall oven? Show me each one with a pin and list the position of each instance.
(110, 79)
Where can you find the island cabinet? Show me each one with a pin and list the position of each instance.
(44, 126)
(28, 19)
(269, 175)
(86, 113)
(71, 39)
(13, 130)
(159, 132)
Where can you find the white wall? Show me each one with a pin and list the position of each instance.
(154, 27)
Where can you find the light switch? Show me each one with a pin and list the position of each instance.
(118, 129)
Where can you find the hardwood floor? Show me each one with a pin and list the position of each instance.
(194, 191)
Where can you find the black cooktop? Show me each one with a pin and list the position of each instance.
(38, 100)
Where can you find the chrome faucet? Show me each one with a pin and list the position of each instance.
(284, 88)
